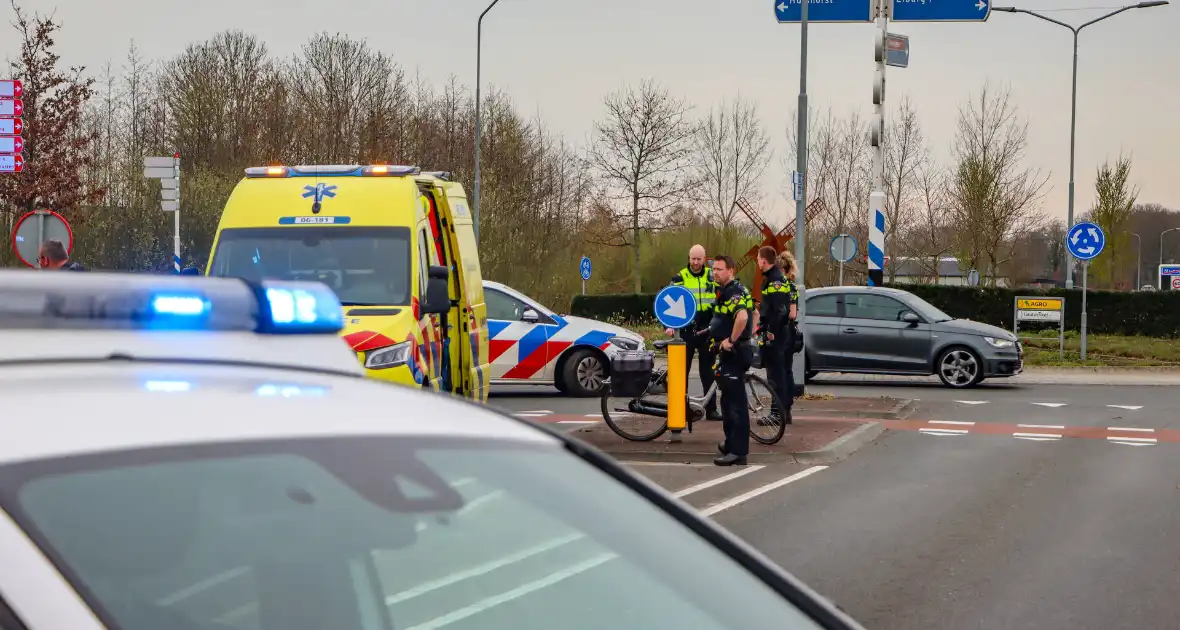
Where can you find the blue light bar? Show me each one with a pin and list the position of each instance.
(301, 307)
(120, 301)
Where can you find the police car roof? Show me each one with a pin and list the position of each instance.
(48, 317)
(63, 410)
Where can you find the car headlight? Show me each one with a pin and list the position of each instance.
(389, 356)
(999, 343)
(625, 343)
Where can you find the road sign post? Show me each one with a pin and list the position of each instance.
(842, 249)
(1085, 241)
(1034, 309)
(167, 170)
(11, 126)
(585, 269)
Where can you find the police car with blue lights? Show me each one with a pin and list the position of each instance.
(193, 453)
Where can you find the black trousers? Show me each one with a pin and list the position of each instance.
(735, 407)
(699, 344)
(777, 358)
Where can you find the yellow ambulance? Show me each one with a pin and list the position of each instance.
(397, 245)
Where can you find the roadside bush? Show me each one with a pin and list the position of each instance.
(1149, 314)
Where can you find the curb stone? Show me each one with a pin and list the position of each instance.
(843, 446)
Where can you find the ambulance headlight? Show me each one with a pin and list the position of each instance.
(389, 356)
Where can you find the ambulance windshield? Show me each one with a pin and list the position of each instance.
(365, 266)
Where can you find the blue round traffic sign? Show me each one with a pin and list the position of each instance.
(1085, 240)
(585, 267)
(675, 306)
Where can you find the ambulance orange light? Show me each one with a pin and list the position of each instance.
(380, 169)
(275, 170)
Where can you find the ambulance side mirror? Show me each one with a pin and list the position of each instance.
(437, 300)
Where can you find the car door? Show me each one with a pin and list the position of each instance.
(822, 331)
(518, 349)
(874, 337)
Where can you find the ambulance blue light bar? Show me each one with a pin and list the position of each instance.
(113, 301)
(331, 170)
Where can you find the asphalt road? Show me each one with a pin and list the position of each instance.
(1006, 506)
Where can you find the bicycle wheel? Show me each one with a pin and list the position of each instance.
(766, 427)
(626, 417)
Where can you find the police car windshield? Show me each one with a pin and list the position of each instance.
(363, 265)
(376, 532)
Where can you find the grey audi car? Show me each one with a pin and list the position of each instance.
(874, 330)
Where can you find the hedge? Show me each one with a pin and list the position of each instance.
(1151, 314)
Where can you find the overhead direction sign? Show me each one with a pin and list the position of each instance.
(939, 10)
(1085, 241)
(675, 306)
(824, 10)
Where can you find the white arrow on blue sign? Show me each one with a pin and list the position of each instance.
(675, 306)
(1085, 240)
(585, 267)
(824, 11)
(940, 11)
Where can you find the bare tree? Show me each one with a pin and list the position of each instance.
(1113, 203)
(993, 194)
(931, 236)
(905, 155)
(732, 151)
(642, 151)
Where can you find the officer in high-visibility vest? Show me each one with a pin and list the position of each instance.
(698, 278)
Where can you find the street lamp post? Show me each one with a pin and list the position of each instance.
(1175, 229)
(478, 127)
(1138, 260)
(1073, 117)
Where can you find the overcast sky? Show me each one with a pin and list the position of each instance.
(559, 57)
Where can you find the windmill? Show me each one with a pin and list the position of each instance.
(778, 240)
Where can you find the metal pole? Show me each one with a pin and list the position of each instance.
(41, 235)
(1073, 126)
(1085, 289)
(876, 247)
(176, 218)
(841, 273)
(478, 106)
(798, 361)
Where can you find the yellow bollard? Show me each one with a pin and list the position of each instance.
(677, 387)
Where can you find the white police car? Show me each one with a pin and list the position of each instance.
(203, 453)
(531, 345)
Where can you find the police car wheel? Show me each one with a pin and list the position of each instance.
(583, 374)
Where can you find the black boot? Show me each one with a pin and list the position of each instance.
(730, 460)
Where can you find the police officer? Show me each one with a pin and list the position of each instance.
(775, 335)
(732, 326)
(698, 279)
(53, 255)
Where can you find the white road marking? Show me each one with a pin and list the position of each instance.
(518, 592)
(1036, 436)
(1050, 404)
(1127, 407)
(1035, 439)
(577, 422)
(1041, 426)
(594, 415)
(1126, 443)
(973, 402)
(530, 415)
(1126, 440)
(1130, 429)
(718, 481)
(926, 431)
(958, 422)
(742, 498)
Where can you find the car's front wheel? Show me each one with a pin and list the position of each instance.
(584, 374)
(959, 367)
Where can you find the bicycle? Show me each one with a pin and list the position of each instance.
(760, 396)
